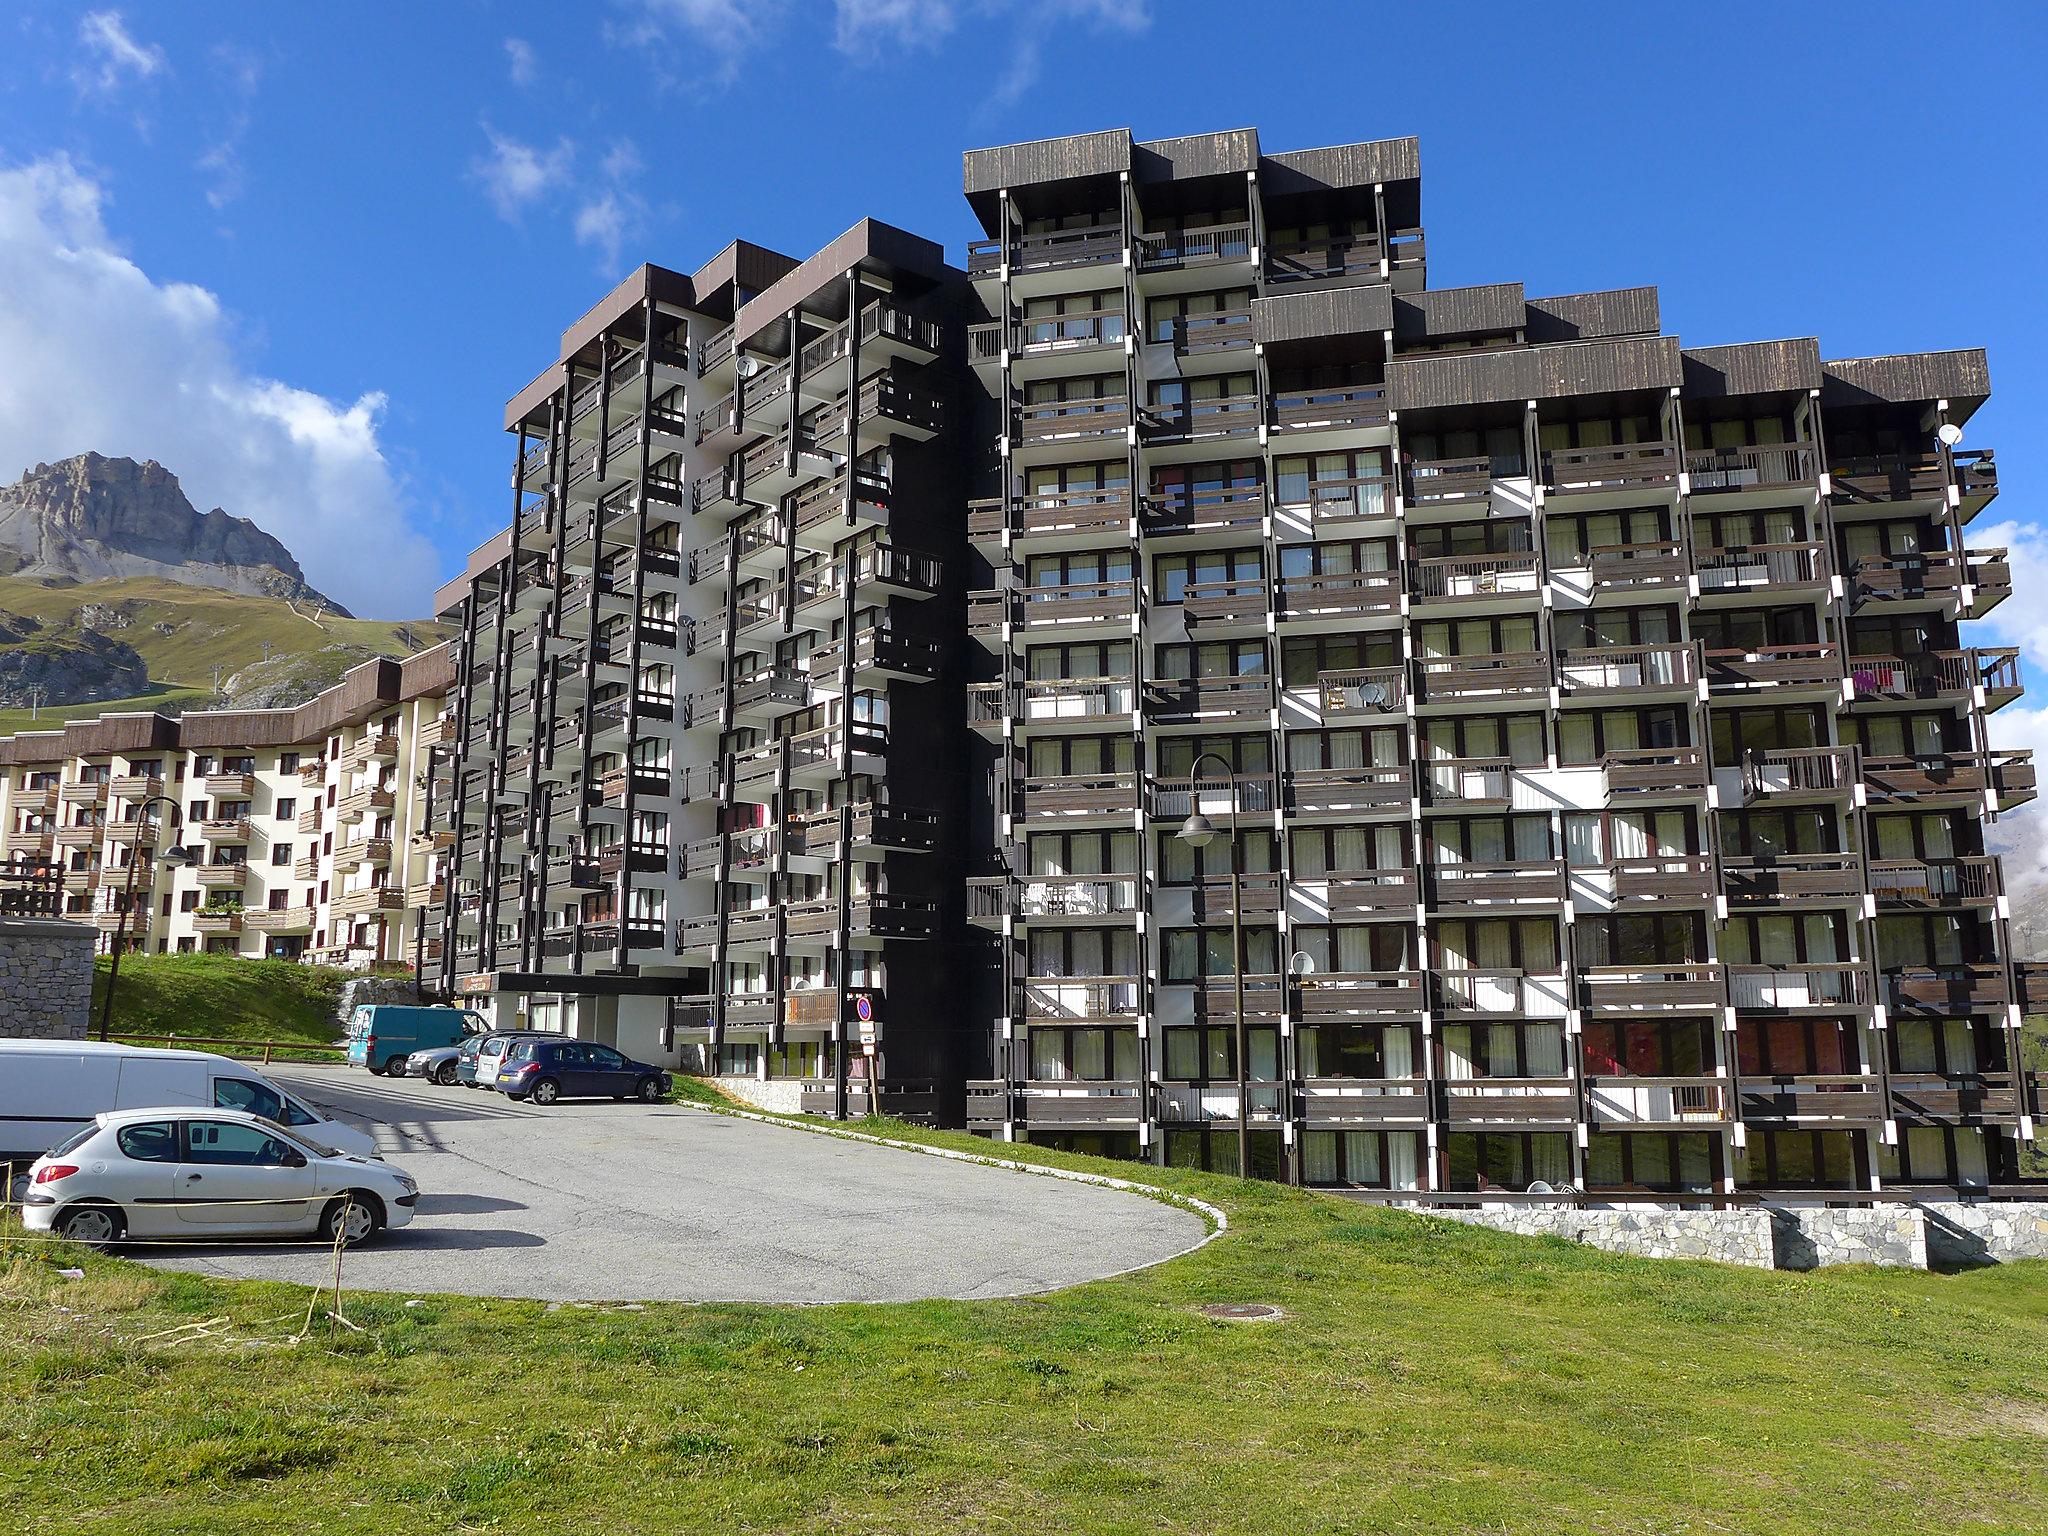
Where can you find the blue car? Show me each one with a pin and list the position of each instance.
(543, 1071)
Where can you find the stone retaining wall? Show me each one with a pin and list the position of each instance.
(1813, 1237)
(777, 1095)
(1992, 1233)
(45, 978)
(1650, 1232)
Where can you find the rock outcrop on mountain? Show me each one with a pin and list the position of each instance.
(90, 517)
(63, 664)
(290, 679)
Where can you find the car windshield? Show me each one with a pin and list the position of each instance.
(520, 1050)
(298, 1138)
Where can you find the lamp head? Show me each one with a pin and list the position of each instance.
(1197, 831)
(177, 858)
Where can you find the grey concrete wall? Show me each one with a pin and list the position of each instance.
(45, 978)
(777, 1095)
(1731, 1237)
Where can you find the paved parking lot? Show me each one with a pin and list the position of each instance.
(623, 1202)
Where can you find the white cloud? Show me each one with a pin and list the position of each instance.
(115, 361)
(862, 28)
(113, 54)
(601, 222)
(2022, 619)
(520, 61)
(240, 73)
(516, 175)
(1040, 20)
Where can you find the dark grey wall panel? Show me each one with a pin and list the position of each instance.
(1752, 368)
(1533, 373)
(1909, 377)
(1330, 312)
(1231, 153)
(1481, 310)
(1342, 165)
(1593, 316)
(1021, 165)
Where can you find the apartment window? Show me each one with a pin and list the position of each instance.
(1640, 938)
(1572, 541)
(1050, 483)
(1740, 432)
(1209, 1055)
(1085, 1054)
(1348, 484)
(1756, 629)
(1648, 1048)
(280, 900)
(1258, 853)
(1074, 317)
(1059, 854)
(202, 765)
(1082, 659)
(166, 908)
(1598, 432)
(1243, 754)
(1080, 953)
(1518, 738)
(1304, 657)
(1588, 628)
(1181, 488)
(287, 807)
(288, 762)
(1587, 736)
(1084, 390)
(1500, 446)
(1525, 944)
(1210, 659)
(323, 892)
(280, 855)
(1190, 316)
(1738, 732)
(1058, 757)
(1197, 954)
(188, 901)
(1346, 749)
(1172, 574)
(1085, 567)
(199, 810)
(1508, 1160)
(1344, 557)
(1316, 853)
(1666, 1161)
(1355, 948)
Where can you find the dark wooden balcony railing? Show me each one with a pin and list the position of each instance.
(1331, 995)
(1056, 248)
(1372, 891)
(1625, 1098)
(1618, 467)
(1214, 1103)
(1627, 668)
(1301, 261)
(1454, 578)
(1625, 567)
(1815, 771)
(1046, 699)
(1932, 573)
(1735, 568)
(1936, 883)
(1934, 673)
(1699, 987)
(1046, 513)
(1233, 601)
(1776, 666)
(1947, 989)
(1073, 603)
(1746, 469)
(1785, 877)
(1829, 987)
(1362, 691)
(1518, 881)
(1511, 1101)
(1358, 594)
(1516, 673)
(1193, 247)
(1215, 416)
(1248, 793)
(1071, 794)
(1655, 770)
(1365, 1101)
(1058, 1102)
(1219, 509)
(1438, 480)
(1335, 502)
(1080, 998)
(1969, 1098)
(1238, 698)
(1217, 331)
(1301, 410)
(1467, 781)
(1891, 477)
(1391, 787)
(1936, 773)
(1049, 420)
(1687, 878)
(1819, 1099)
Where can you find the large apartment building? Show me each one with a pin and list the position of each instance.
(1181, 687)
(306, 827)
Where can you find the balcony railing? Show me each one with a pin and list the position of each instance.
(1052, 513)
(1468, 781)
(1454, 578)
(1937, 573)
(1786, 877)
(1080, 998)
(1073, 794)
(1511, 1101)
(1947, 989)
(1893, 477)
(1233, 601)
(1212, 416)
(1248, 793)
(1387, 788)
(1749, 567)
(1302, 261)
(1627, 668)
(1213, 332)
(1339, 1102)
(1936, 883)
(1934, 673)
(1050, 420)
(1057, 248)
(1242, 698)
(1051, 897)
(1967, 1098)
(1514, 674)
(1776, 666)
(1679, 878)
(1745, 469)
(1223, 509)
(1628, 567)
(1520, 881)
(1807, 771)
(1620, 467)
(1333, 995)
(1362, 691)
(1355, 595)
(1057, 1102)
(1819, 1099)
(1302, 410)
(1213, 1103)
(1831, 987)
(1194, 247)
(1336, 502)
(1649, 989)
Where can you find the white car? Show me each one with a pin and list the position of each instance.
(193, 1174)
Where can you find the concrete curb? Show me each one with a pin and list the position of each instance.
(1218, 1222)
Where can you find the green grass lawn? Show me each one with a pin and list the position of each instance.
(1427, 1377)
(222, 996)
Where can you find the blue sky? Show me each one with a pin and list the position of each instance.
(303, 253)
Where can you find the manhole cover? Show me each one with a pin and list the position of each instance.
(1242, 1312)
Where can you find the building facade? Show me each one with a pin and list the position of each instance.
(1596, 767)
(306, 827)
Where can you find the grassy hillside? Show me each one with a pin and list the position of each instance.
(1427, 1377)
(222, 997)
(183, 633)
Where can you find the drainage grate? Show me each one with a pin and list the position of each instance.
(1242, 1312)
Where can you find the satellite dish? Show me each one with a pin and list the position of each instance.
(1541, 1188)
(1950, 434)
(747, 367)
(1302, 964)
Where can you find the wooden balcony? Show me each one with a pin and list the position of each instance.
(1066, 1103)
(877, 916)
(1073, 605)
(1936, 574)
(1053, 899)
(1960, 776)
(1239, 509)
(1475, 578)
(1677, 879)
(1219, 331)
(1835, 987)
(232, 830)
(1207, 245)
(1937, 885)
(1220, 607)
(1216, 998)
(230, 786)
(231, 877)
(1052, 514)
(1642, 773)
(217, 922)
(1364, 1103)
(1652, 989)
(1258, 897)
(1243, 794)
(370, 900)
(1948, 990)
(83, 792)
(1350, 791)
(364, 802)
(1625, 1099)
(1334, 996)
(1498, 994)
(124, 833)
(1247, 699)
(1340, 599)
(136, 786)
(1185, 1103)
(1308, 410)
(1756, 569)
(1811, 667)
(1336, 504)
(32, 843)
(1519, 883)
(1715, 471)
(1601, 672)
(1800, 774)
(1221, 416)
(1622, 467)
(1311, 262)
(1479, 1102)
(1940, 674)
(279, 920)
(1052, 421)
(1047, 252)
(1364, 893)
(1637, 567)
(1080, 794)
(1362, 692)
(1467, 782)
(1433, 482)
(1965, 1099)
(1080, 999)
(1889, 478)
(374, 851)
(1510, 675)
(1787, 879)
(1051, 702)
(1841, 1100)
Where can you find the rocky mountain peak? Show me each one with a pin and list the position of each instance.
(90, 517)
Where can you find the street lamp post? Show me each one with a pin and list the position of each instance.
(174, 857)
(1197, 832)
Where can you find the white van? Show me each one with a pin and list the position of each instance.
(50, 1089)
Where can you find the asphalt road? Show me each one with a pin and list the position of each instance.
(626, 1202)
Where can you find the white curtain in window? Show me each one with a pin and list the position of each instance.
(1550, 1159)
(1362, 1157)
(1398, 1047)
(1091, 1059)
(1319, 1157)
(1459, 1066)
(1401, 1161)
(1971, 1167)
(1544, 1048)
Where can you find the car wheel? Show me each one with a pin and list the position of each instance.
(353, 1218)
(395, 1067)
(546, 1091)
(649, 1090)
(445, 1074)
(93, 1226)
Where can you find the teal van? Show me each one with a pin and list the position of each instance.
(382, 1035)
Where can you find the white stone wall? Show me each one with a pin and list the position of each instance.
(779, 1095)
(45, 979)
(1650, 1232)
(1813, 1237)
(1959, 1234)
